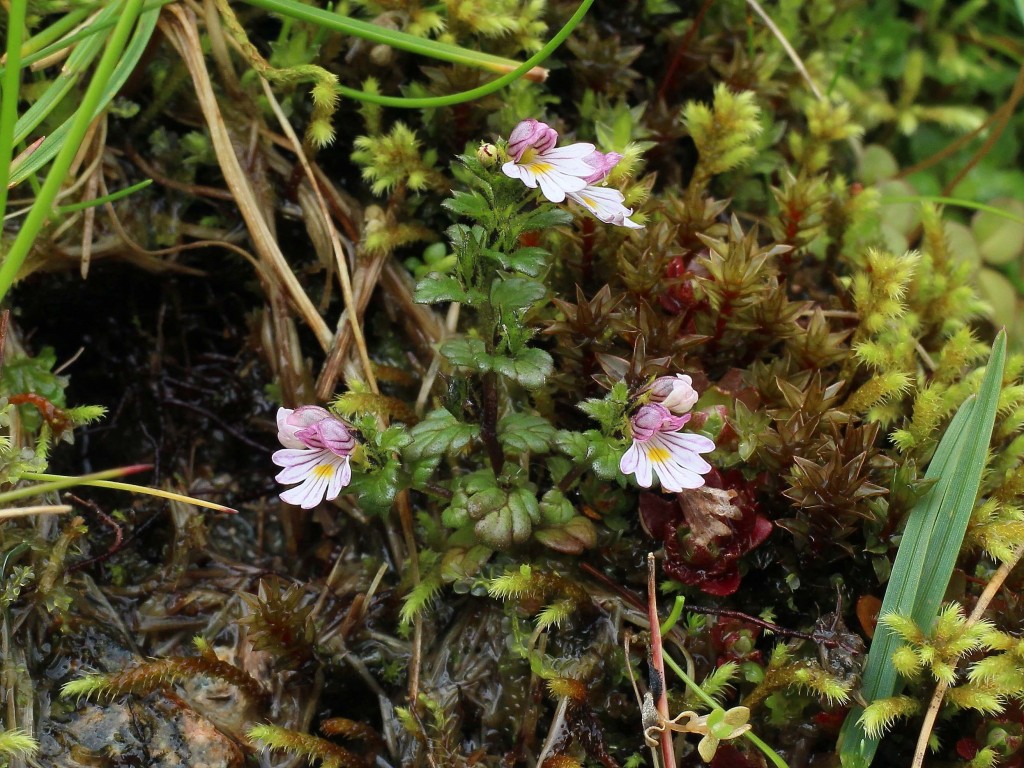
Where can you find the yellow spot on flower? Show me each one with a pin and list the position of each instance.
(323, 470)
(539, 168)
(589, 201)
(657, 454)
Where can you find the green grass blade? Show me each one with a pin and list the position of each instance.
(96, 96)
(377, 34)
(929, 547)
(430, 102)
(54, 31)
(9, 107)
(133, 52)
(73, 70)
(113, 196)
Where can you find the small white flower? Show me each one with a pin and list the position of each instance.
(558, 171)
(606, 204)
(660, 448)
(317, 446)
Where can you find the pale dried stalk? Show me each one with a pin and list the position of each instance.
(339, 252)
(793, 55)
(179, 25)
(40, 509)
(940, 690)
(668, 754)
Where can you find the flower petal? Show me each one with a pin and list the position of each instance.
(605, 203)
(635, 461)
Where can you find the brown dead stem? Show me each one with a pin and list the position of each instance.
(180, 27)
(940, 690)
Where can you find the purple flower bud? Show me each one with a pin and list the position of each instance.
(289, 422)
(329, 433)
(602, 165)
(529, 134)
(653, 418)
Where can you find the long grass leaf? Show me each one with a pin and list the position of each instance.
(9, 107)
(928, 550)
(132, 53)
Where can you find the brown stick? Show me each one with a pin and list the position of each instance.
(668, 755)
(940, 690)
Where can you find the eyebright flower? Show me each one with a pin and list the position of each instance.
(561, 172)
(674, 392)
(317, 446)
(558, 171)
(659, 445)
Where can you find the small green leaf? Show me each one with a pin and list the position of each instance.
(439, 433)
(572, 538)
(467, 353)
(471, 205)
(555, 509)
(530, 368)
(523, 432)
(393, 438)
(437, 288)
(544, 218)
(530, 260)
(516, 292)
(377, 489)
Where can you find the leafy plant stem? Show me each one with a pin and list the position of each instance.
(489, 423)
(42, 207)
(928, 550)
(9, 108)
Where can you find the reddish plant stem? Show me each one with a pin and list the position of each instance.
(587, 248)
(108, 521)
(489, 423)
(668, 755)
(52, 415)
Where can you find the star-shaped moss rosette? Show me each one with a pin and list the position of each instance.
(707, 530)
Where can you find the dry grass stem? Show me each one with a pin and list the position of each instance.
(793, 55)
(181, 29)
(41, 509)
(993, 587)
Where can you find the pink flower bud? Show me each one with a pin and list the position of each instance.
(290, 422)
(529, 134)
(602, 165)
(653, 418)
(676, 393)
(330, 434)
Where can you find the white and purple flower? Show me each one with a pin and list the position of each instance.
(317, 447)
(561, 172)
(660, 447)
